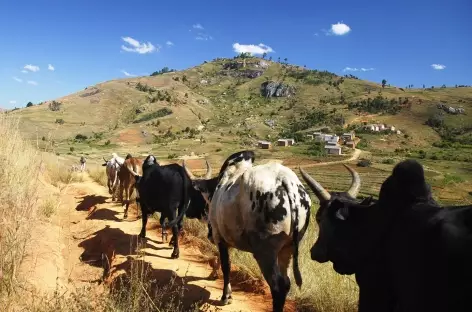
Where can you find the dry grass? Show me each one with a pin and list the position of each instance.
(98, 174)
(19, 170)
(48, 207)
(61, 175)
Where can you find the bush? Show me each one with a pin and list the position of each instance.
(316, 149)
(72, 149)
(107, 142)
(388, 161)
(60, 121)
(364, 163)
(157, 114)
(29, 104)
(81, 137)
(172, 156)
(55, 106)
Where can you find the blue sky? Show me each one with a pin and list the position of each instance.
(87, 42)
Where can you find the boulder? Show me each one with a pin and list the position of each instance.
(276, 89)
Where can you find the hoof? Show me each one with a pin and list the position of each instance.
(125, 216)
(141, 235)
(174, 256)
(226, 301)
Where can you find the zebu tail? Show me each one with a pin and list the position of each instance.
(292, 194)
(185, 198)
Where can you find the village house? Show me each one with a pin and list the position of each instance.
(310, 136)
(285, 142)
(351, 144)
(331, 139)
(333, 149)
(348, 136)
(264, 144)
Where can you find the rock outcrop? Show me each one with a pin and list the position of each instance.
(276, 89)
(249, 73)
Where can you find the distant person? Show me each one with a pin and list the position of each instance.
(82, 163)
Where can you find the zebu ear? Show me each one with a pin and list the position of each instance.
(104, 164)
(341, 208)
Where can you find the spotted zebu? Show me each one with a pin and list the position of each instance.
(264, 210)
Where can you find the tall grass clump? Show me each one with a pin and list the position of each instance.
(19, 170)
(99, 175)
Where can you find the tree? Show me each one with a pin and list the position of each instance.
(29, 104)
(270, 58)
(264, 55)
(278, 60)
(285, 60)
(384, 82)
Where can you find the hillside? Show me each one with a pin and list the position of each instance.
(227, 104)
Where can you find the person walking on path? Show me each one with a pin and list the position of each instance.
(82, 163)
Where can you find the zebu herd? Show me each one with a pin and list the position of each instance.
(406, 251)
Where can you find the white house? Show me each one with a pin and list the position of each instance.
(333, 150)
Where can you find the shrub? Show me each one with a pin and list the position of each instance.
(172, 156)
(29, 104)
(60, 121)
(388, 161)
(157, 114)
(55, 106)
(72, 149)
(107, 142)
(81, 137)
(364, 163)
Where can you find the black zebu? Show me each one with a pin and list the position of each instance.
(407, 252)
(168, 190)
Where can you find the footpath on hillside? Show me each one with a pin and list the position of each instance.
(89, 242)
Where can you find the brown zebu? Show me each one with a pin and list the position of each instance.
(127, 180)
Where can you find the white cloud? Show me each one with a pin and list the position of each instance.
(12, 102)
(32, 82)
(17, 79)
(198, 26)
(32, 68)
(338, 29)
(204, 37)
(24, 71)
(127, 74)
(316, 34)
(358, 69)
(50, 67)
(251, 48)
(438, 66)
(138, 47)
(169, 43)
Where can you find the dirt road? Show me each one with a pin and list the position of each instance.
(88, 225)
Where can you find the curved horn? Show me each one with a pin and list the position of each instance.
(208, 174)
(190, 174)
(105, 159)
(355, 184)
(319, 191)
